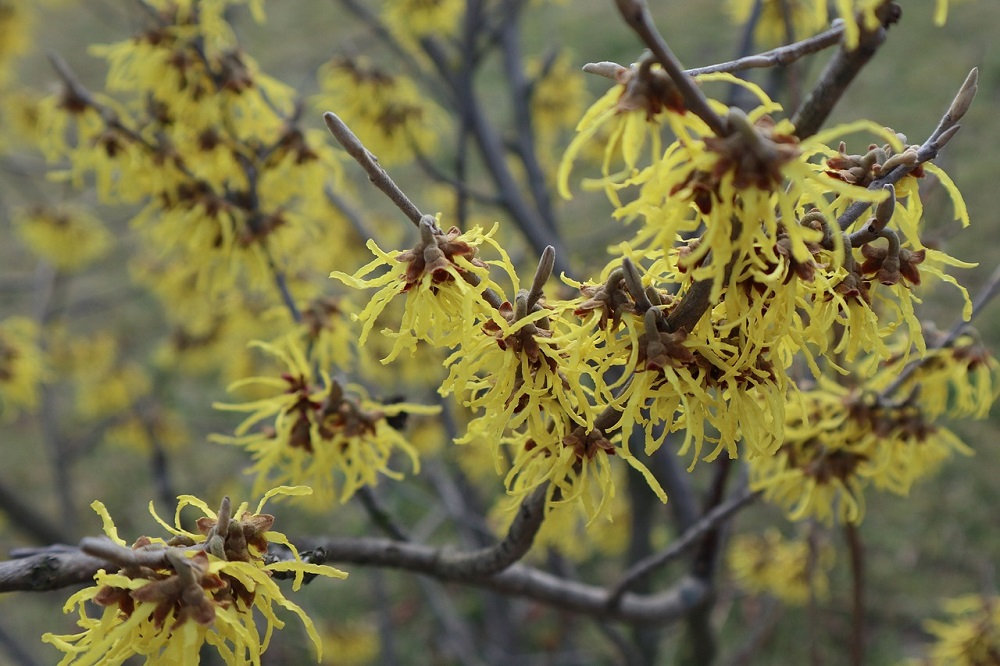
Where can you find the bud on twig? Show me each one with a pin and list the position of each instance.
(967, 93)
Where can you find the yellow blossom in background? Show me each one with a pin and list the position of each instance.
(23, 367)
(16, 27)
(783, 568)
(558, 98)
(19, 119)
(315, 430)
(805, 19)
(169, 598)
(410, 20)
(150, 430)
(385, 110)
(837, 442)
(104, 385)
(353, 644)
(969, 637)
(66, 236)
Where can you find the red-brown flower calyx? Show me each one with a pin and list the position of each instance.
(435, 254)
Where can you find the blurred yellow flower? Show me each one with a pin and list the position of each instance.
(784, 568)
(23, 367)
(66, 236)
(781, 21)
(970, 637)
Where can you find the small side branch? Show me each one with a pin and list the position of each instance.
(709, 522)
(945, 131)
(343, 134)
(782, 55)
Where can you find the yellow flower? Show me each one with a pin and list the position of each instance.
(804, 18)
(16, 28)
(770, 564)
(409, 20)
(443, 281)
(971, 636)
(171, 597)
(850, 11)
(576, 464)
(837, 442)
(68, 237)
(320, 435)
(386, 110)
(355, 644)
(557, 98)
(521, 371)
(643, 98)
(23, 366)
(161, 428)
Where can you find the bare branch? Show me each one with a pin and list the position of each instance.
(782, 55)
(59, 567)
(370, 164)
(839, 74)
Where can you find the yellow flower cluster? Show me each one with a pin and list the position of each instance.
(385, 109)
(316, 432)
(746, 224)
(67, 236)
(411, 20)
(169, 598)
(970, 637)
(230, 187)
(838, 441)
(788, 569)
(520, 365)
(15, 31)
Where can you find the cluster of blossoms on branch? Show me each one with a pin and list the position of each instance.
(170, 597)
(748, 279)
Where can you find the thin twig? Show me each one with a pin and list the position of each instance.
(520, 91)
(838, 75)
(370, 164)
(709, 522)
(928, 150)
(379, 515)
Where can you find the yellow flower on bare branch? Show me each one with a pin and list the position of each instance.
(171, 597)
